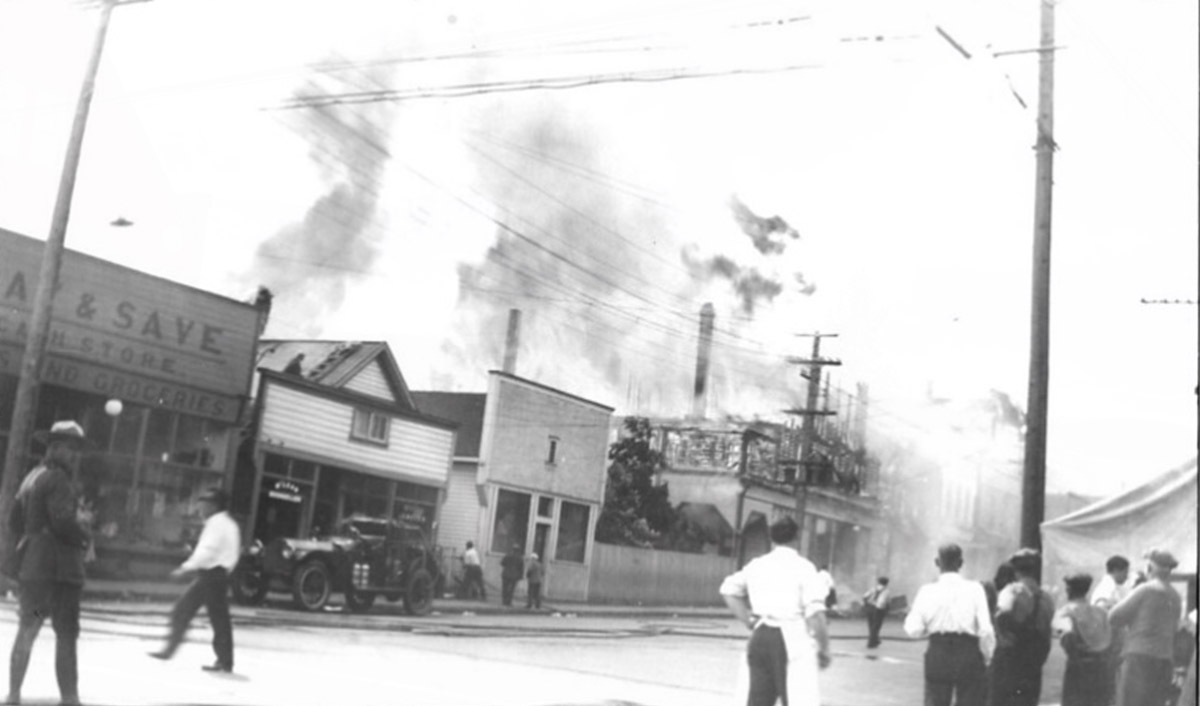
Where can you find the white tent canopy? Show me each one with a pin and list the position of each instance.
(1160, 513)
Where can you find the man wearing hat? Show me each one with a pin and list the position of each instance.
(212, 561)
(1150, 614)
(49, 554)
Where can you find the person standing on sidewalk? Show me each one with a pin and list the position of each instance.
(473, 572)
(1150, 614)
(512, 566)
(1085, 636)
(534, 574)
(875, 605)
(953, 612)
(212, 561)
(48, 560)
(1023, 635)
(781, 599)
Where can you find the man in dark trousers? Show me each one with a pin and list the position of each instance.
(875, 606)
(512, 567)
(214, 558)
(953, 612)
(53, 538)
(781, 599)
(1150, 616)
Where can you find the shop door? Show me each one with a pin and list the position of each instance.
(281, 509)
(541, 537)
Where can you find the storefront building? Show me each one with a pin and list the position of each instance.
(335, 434)
(529, 473)
(156, 372)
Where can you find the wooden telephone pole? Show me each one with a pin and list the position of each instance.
(1033, 480)
(808, 435)
(25, 403)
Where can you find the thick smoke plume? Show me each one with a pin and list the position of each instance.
(609, 285)
(310, 263)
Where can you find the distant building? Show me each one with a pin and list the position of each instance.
(529, 470)
(751, 474)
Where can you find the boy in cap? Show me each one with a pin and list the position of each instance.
(49, 562)
(1150, 615)
(212, 561)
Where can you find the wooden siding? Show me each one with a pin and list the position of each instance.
(372, 381)
(318, 426)
(459, 517)
(651, 577)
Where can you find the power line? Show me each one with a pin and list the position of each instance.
(542, 84)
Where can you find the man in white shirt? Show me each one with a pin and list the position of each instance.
(473, 572)
(780, 598)
(953, 612)
(212, 561)
(1115, 585)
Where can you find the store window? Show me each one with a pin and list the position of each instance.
(572, 532)
(370, 426)
(364, 495)
(511, 526)
(144, 471)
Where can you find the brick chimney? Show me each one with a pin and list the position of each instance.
(512, 342)
(703, 353)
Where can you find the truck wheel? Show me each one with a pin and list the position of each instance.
(359, 601)
(248, 585)
(311, 586)
(418, 599)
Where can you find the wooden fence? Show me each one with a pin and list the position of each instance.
(628, 575)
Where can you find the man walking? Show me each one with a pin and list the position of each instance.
(953, 613)
(473, 572)
(875, 605)
(780, 598)
(512, 566)
(1150, 615)
(534, 573)
(214, 558)
(1024, 613)
(49, 560)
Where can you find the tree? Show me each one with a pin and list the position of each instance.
(636, 510)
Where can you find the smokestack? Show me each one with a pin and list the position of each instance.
(703, 352)
(512, 342)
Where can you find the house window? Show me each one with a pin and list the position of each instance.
(552, 454)
(370, 426)
(572, 532)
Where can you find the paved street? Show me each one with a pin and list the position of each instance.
(285, 657)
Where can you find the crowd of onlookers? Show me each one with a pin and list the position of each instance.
(1124, 639)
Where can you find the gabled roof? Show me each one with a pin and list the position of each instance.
(465, 408)
(334, 363)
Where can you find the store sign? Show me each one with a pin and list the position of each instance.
(288, 492)
(129, 335)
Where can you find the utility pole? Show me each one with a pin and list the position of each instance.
(809, 413)
(1033, 490)
(25, 404)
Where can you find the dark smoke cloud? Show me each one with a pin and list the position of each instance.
(310, 262)
(769, 234)
(751, 286)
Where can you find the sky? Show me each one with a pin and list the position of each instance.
(835, 167)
